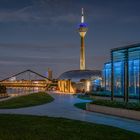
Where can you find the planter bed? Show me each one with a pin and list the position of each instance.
(127, 113)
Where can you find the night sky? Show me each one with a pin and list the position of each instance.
(37, 34)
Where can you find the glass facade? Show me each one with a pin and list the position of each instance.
(134, 72)
(122, 74)
(107, 76)
(118, 64)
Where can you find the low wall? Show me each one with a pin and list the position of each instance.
(131, 114)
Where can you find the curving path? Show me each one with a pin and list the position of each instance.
(62, 106)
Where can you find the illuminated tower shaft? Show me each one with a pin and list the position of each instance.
(82, 32)
(82, 54)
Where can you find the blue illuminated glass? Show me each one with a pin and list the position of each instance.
(83, 25)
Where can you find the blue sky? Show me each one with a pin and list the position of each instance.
(37, 34)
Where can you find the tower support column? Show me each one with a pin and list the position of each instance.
(82, 54)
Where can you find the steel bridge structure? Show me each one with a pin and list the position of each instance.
(27, 78)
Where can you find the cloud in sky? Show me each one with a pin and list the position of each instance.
(41, 11)
(54, 11)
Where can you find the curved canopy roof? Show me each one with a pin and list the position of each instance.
(77, 75)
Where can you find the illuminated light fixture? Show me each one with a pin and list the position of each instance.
(88, 85)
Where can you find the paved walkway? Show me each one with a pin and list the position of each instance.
(62, 106)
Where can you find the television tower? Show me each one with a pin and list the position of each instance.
(82, 31)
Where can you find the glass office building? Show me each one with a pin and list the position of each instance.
(122, 74)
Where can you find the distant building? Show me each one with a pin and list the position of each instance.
(50, 74)
(122, 75)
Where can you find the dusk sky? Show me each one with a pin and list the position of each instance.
(42, 34)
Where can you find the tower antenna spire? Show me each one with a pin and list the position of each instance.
(82, 17)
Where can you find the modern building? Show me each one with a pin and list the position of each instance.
(81, 80)
(122, 75)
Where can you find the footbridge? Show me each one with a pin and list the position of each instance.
(26, 78)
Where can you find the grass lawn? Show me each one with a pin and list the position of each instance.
(27, 100)
(81, 105)
(21, 127)
(109, 103)
(117, 104)
(84, 97)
